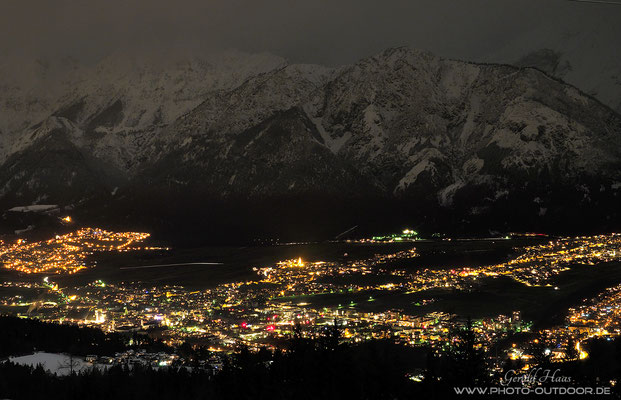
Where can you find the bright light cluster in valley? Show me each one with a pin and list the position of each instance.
(597, 317)
(265, 310)
(535, 266)
(67, 254)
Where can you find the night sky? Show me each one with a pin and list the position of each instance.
(325, 32)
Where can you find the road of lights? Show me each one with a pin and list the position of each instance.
(66, 254)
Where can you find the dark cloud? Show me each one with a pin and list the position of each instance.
(321, 31)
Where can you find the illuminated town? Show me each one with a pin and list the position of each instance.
(533, 268)
(263, 312)
(598, 317)
(66, 254)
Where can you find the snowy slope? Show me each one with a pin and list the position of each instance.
(404, 125)
(59, 364)
(119, 100)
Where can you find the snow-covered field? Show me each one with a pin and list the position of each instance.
(34, 208)
(59, 364)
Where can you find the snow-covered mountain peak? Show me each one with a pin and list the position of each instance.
(403, 125)
(119, 94)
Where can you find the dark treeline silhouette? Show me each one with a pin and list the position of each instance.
(24, 336)
(319, 368)
(462, 363)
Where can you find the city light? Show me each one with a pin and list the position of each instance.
(67, 254)
(284, 295)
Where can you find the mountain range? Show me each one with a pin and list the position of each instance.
(251, 143)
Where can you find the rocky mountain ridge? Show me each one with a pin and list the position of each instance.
(403, 130)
